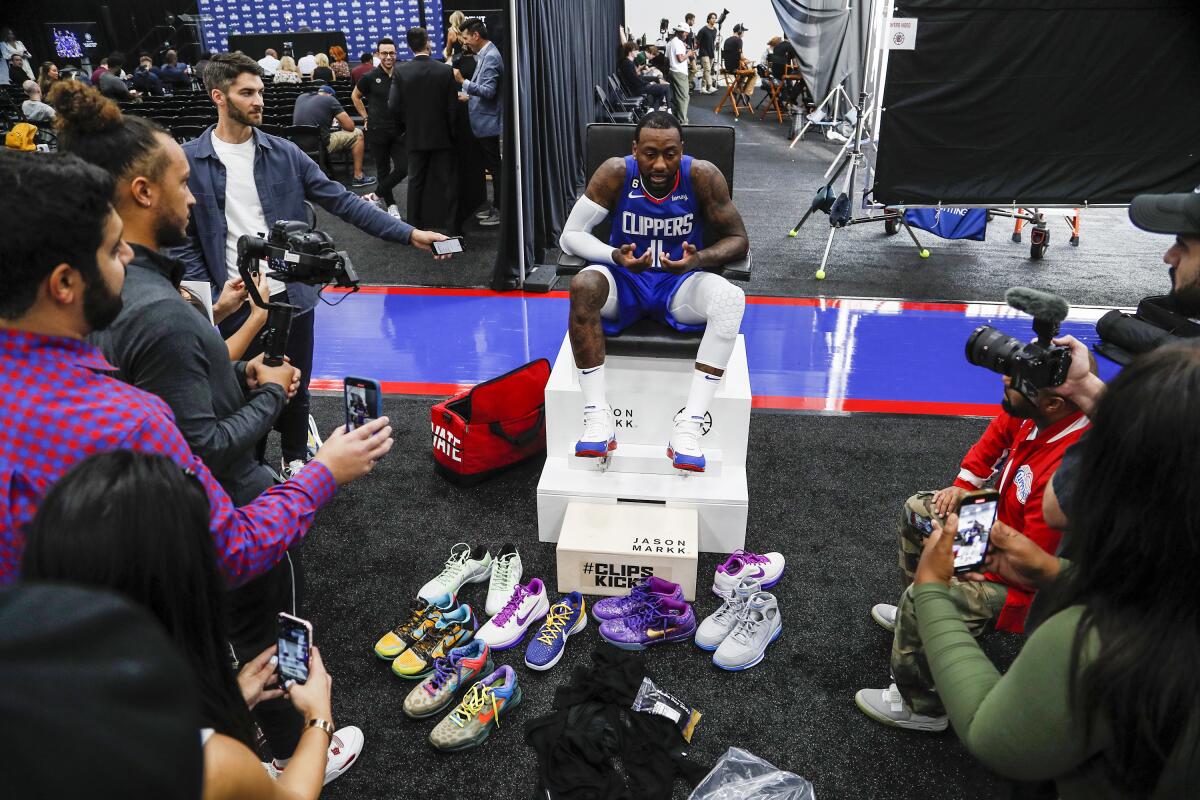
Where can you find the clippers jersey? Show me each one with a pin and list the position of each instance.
(665, 225)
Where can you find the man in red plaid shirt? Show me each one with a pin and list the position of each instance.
(62, 279)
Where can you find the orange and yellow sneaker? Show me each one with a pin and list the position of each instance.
(450, 630)
(420, 620)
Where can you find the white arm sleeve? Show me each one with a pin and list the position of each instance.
(577, 239)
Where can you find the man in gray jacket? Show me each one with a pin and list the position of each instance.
(486, 106)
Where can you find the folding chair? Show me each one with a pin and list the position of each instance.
(609, 111)
(309, 139)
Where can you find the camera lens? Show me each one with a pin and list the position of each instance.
(991, 349)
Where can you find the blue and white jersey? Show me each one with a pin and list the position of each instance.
(665, 225)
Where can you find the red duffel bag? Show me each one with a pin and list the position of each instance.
(492, 426)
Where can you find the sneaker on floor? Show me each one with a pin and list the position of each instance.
(290, 469)
(767, 568)
(506, 574)
(344, 749)
(465, 565)
(470, 724)
(885, 615)
(527, 605)
(315, 442)
(716, 626)
(453, 628)
(566, 617)
(485, 212)
(646, 590)
(394, 210)
(420, 619)
(365, 180)
(758, 625)
(888, 707)
(684, 447)
(453, 671)
(491, 221)
(599, 433)
(665, 620)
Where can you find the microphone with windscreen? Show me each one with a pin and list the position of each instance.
(1033, 366)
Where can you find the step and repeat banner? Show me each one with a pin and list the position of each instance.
(363, 22)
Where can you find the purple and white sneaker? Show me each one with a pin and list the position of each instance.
(665, 620)
(644, 591)
(767, 569)
(527, 605)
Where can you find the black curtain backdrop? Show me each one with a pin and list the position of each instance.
(563, 50)
(1051, 102)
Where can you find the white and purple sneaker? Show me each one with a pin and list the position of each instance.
(645, 591)
(527, 605)
(767, 569)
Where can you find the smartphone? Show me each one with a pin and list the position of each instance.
(294, 646)
(976, 515)
(363, 401)
(451, 245)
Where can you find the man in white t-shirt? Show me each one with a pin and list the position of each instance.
(677, 57)
(307, 64)
(269, 63)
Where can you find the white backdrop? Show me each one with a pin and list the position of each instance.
(642, 16)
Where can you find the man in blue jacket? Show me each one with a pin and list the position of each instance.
(486, 105)
(243, 181)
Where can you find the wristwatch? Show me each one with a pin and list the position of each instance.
(324, 725)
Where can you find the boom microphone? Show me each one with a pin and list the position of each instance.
(1037, 304)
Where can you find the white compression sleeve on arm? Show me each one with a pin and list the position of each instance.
(577, 239)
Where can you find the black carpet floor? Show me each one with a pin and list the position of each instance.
(1115, 264)
(824, 492)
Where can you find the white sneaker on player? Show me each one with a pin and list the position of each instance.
(463, 566)
(506, 574)
(684, 448)
(527, 605)
(767, 569)
(599, 433)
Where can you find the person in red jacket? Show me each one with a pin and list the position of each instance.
(1023, 447)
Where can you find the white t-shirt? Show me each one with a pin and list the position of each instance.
(306, 65)
(269, 64)
(676, 47)
(243, 210)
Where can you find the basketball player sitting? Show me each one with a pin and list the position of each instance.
(653, 265)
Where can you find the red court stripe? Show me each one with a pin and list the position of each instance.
(861, 406)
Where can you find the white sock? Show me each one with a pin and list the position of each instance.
(591, 384)
(700, 397)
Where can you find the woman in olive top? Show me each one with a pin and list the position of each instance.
(1103, 697)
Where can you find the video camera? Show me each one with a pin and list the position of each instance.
(296, 253)
(1033, 366)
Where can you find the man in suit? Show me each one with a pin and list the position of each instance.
(423, 100)
(485, 106)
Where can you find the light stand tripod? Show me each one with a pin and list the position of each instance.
(841, 207)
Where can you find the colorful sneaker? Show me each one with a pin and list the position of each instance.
(716, 626)
(506, 574)
(644, 591)
(684, 447)
(767, 569)
(759, 624)
(420, 619)
(567, 616)
(452, 629)
(599, 433)
(472, 721)
(526, 606)
(465, 565)
(665, 620)
(451, 672)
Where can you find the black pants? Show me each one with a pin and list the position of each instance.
(293, 421)
(391, 162)
(432, 176)
(658, 94)
(252, 613)
(490, 145)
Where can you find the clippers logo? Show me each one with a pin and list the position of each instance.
(446, 442)
(619, 576)
(705, 426)
(1023, 480)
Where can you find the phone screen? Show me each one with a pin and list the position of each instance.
(362, 402)
(295, 640)
(975, 520)
(452, 245)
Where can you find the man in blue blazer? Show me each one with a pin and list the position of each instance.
(485, 106)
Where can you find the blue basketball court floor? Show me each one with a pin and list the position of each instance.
(817, 354)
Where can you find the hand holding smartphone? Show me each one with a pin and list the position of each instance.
(976, 516)
(447, 246)
(363, 401)
(294, 648)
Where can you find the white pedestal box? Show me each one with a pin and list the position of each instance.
(605, 548)
(645, 395)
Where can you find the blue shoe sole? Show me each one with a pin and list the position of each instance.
(761, 655)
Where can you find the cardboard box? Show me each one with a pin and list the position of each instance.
(604, 548)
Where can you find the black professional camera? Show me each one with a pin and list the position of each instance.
(1030, 366)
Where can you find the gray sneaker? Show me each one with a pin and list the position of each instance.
(885, 615)
(759, 624)
(887, 706)
(716, 626)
